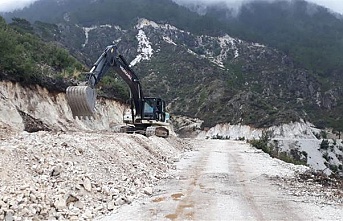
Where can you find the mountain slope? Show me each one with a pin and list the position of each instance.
(217, 78)
(120, 12)
(26, 58)
(222, 79)
(311, 34)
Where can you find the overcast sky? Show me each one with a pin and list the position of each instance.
(9, 5)
(335, 5)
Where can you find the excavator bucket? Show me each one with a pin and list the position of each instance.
(81, 100)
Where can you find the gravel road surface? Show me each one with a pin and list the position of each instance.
(228, 180)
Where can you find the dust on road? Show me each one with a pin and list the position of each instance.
(227, 180)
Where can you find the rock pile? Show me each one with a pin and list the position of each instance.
(79, 176)
(321, 188)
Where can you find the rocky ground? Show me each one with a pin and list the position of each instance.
(79, 176)
(313, 186)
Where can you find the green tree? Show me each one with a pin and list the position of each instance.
(21, 25)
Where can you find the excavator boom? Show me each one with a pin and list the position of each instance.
(147, 114)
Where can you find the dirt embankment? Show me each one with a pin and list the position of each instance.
(35, 109)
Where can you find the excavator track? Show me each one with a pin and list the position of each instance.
(157, 131)
(81, 100)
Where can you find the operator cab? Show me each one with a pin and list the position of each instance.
(154, 109)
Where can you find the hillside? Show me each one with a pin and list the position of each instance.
(210, 75)
(25, 58)
(309, 33)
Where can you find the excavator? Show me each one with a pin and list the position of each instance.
(146, 115)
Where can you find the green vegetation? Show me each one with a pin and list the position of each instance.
(120, 12)
(313, 38)
(26, 58)
(264, 144)
(324, 145)
(113, 87)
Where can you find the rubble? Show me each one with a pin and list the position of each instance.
(321, 187)
(78, 175)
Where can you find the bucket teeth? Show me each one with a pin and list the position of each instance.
(81, 100)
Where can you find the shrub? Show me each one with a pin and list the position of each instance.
(326, 156)
(333, 168)
(262, 143)
(324, 145)
(289, 159)
(317, 135)
(323, 134)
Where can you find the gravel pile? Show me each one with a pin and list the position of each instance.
(79, 176)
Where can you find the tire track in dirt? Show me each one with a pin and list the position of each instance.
(185, 207)
(190, 201)
(225, 180)
(246, 191)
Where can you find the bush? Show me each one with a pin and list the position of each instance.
(262, 143)
(324, 134)
(324, 145)
(333, 168)
(317, 135)
(326, 156)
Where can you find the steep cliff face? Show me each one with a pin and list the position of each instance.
(34, 108)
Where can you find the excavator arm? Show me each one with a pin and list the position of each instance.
(148, 114)
(82, 98)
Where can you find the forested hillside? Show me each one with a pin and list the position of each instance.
(25, 58)
(285, 65)
(121, 12)
(309, 33)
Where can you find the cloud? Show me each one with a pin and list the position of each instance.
(334, 5)
(10, 5)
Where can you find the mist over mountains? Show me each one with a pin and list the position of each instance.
(235, 5)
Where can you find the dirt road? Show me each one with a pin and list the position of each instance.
(227, 180)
